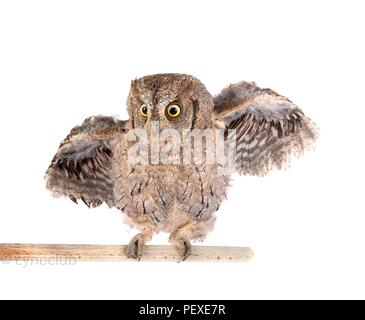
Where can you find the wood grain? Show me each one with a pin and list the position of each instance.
(81, 252)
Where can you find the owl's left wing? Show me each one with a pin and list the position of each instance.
(269, 128)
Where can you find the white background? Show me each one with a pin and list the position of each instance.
(62, 61)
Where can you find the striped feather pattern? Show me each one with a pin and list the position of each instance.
(81, 169)
(270, 129)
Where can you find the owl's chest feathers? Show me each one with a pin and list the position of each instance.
(159, 193)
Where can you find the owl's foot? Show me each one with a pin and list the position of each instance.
(180, 238)
(184, 247)
(136, 245)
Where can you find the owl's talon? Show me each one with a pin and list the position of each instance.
(180, 238)
(186, 251)
(135, 247)
(184, 247)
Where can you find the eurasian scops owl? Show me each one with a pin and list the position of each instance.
(92, 163)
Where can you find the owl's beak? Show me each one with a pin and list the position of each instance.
(152, 126)
(154, 114)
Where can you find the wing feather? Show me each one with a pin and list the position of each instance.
(81, 168)
(269, 128)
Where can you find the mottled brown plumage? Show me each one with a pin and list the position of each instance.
(92, 163)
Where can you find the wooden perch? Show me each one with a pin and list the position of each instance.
(16, 252)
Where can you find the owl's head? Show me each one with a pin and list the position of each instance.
(174, 100)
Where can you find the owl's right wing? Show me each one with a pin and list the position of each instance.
(81, 168)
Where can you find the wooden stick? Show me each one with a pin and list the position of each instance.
(16, 252)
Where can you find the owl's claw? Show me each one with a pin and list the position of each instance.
(135, 247)
(184, 247)
(180, 238)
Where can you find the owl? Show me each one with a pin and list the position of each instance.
(92, 164)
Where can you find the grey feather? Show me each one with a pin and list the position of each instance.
(270, 129)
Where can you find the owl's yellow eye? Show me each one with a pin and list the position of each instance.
(173, 110)
(144, 111)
